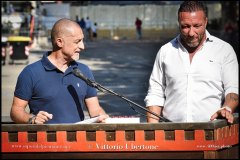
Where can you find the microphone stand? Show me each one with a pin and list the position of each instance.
(101, 88)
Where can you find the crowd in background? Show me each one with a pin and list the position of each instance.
(89, 28)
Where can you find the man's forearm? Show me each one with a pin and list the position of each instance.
(151, 118)
(20, 116)
(232, 101)
(97, 112)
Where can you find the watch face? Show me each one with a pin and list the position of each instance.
(30, 120)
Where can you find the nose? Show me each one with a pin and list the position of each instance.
(81, 45)
(191, 32)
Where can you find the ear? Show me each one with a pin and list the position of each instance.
(59, 42)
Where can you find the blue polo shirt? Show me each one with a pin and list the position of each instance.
(48, 89)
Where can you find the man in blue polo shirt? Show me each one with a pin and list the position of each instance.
(49, 87)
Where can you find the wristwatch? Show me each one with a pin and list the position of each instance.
(30, 120)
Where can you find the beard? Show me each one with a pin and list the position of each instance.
(191, 42)
(75, 57)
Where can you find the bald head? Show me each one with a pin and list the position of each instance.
(63, 27)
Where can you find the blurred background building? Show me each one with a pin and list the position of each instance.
(115, 19)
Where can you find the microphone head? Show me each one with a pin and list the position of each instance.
(77, 72)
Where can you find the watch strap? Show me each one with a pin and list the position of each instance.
(30, 120)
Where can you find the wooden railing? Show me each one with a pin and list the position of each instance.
(215, 139)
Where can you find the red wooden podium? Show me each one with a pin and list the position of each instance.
(215, 139)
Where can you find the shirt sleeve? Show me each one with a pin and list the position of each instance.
(23, 89)
(155, 95)
(230, 72)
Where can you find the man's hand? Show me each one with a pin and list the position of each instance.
(102, 118)
(223, 113)
(42, 117)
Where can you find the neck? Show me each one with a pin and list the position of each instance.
(58, 61)
(192, 50)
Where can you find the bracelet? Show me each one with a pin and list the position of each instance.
(31, 120)
(227, 108)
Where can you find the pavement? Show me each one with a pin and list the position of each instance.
(123, 67)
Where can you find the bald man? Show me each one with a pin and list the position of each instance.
(48, 86)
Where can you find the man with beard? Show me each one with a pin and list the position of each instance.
(49, 87)
(195, 76)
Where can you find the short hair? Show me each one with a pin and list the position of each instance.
(60, 27)
(191, 6)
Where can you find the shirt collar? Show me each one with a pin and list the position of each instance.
(49, 66)
(209, 37)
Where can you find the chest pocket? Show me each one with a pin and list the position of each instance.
(209, 68)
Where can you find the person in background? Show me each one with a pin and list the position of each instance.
(195, 75)
(138, 24)
(82, 23)
(94, 30)
(54, 94)
(89, 28)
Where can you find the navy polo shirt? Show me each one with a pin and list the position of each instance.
(48, 89)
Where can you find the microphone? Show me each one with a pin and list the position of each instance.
(78, 74)
(91, 83)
